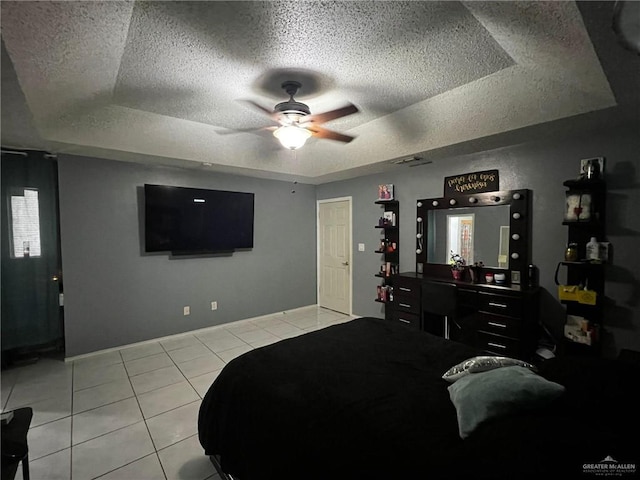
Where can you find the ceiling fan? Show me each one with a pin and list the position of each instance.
(297, 123)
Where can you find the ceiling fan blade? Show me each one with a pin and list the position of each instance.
(258, 130)
(269, 113)
(320, 132)
(330, 115)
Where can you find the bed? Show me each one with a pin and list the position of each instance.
(366, 399)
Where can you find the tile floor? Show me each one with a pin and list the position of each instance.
(132, 414)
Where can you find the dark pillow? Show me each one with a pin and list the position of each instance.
(479, 397)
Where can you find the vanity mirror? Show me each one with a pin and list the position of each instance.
(492, 228)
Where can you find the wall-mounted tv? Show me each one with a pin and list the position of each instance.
(190, 221)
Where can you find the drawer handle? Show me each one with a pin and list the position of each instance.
(495, 345)
(494, 304)
(404, 289)
(494, 324)
(404, 321)
(405, 305)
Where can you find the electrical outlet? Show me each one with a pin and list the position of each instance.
(214, 305)
(187, 310)
(361, 247)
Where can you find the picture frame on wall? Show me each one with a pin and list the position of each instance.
(592, 168)
(385, 191)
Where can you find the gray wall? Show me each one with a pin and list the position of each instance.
(542, 167)
(116, 295)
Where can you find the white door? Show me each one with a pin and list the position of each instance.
(334, 254)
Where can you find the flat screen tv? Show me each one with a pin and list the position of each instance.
(194, 221)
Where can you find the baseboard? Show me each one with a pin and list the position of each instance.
(183, 334)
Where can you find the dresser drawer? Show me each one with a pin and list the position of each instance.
(498, 344)
(407, 287)
(500, 304)
(408, 319)
(406, 304)
(500, 325)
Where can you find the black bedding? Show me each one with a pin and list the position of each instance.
(365, 399)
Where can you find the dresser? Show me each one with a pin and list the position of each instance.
(498, 319)
(490, 232)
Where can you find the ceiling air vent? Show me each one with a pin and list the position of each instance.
(411, 161)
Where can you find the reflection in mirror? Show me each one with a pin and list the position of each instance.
(479, 234)
(460, 237)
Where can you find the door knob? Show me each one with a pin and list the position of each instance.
(345, 263)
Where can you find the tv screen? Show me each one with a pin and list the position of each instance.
(192, 220)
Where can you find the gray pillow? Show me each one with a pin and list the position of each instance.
(479, 397)
(482, 363)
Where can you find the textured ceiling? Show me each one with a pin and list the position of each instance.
(161, 81)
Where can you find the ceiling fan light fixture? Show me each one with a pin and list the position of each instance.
(292, 136)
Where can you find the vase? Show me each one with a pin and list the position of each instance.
(474, 272)
(457, 274)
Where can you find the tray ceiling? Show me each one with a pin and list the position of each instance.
(161, 82)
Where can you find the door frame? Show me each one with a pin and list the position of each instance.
(348, 199)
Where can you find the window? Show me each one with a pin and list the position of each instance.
(25, 224)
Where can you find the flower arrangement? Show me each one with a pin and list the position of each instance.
(456, 261)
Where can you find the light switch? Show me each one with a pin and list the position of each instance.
(361, 247)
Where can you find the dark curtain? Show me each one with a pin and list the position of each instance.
(31, 315)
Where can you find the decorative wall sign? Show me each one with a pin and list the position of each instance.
(476, 182)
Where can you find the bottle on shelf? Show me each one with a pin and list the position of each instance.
(593, 250)
(571, 254)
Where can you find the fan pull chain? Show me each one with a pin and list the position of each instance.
(295, 161)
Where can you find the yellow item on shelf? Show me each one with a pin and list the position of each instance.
(587, 297)
(573, 293)
(568, 292)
